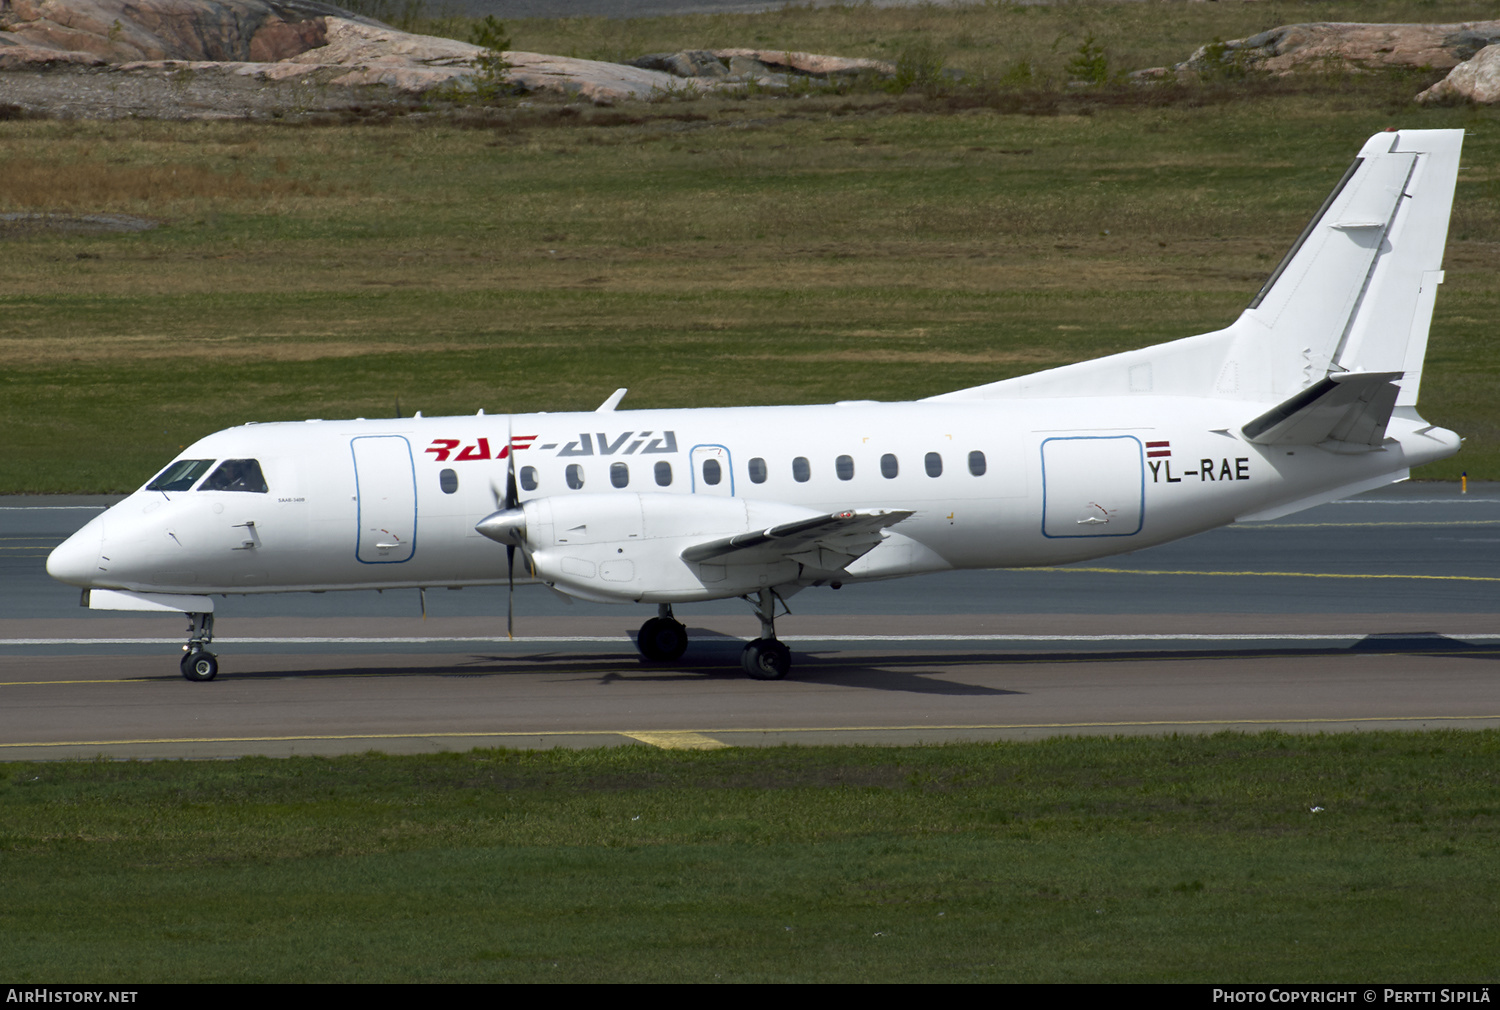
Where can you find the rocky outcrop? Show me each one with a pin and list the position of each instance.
(745, 65)
(1325, 45)
(595, 80)
(371, 53)
(691, 71)
(196, 43)
(121, 31)
(1475, 80)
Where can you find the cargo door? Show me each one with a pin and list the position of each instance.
(1093, 486)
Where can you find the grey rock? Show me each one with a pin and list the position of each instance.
(688, 63)
(1474, 80)
(1320, 45)
(811, 64)
(747, 68)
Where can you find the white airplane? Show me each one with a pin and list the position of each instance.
(1308, 397)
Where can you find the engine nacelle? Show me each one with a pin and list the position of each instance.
(627, 547)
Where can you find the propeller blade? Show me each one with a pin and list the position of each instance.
(512, 498)
(510, 599)
(512, 494)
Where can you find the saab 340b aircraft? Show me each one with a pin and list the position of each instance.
(1308, 397)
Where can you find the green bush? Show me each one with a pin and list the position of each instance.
(1091, 64)
(919, 66)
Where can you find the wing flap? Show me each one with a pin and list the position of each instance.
(827, 542)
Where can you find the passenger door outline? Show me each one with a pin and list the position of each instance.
(385, 492)
(725, 487)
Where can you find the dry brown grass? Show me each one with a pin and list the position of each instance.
(308, 346)
(90, 182)
(874, 356)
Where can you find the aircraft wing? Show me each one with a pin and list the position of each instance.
(827, 543)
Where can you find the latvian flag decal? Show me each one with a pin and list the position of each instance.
(1154, 449)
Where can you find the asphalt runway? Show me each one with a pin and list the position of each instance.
(1373, 613)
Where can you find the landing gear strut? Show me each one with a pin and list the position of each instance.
(198, 664)
(662, 639)
(766, 658)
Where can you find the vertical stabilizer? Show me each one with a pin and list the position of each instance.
(1356, 292)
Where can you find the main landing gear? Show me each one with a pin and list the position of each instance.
(198, 664)
(663, 639)
(766, 658)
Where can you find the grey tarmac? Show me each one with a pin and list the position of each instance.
(1376, 613)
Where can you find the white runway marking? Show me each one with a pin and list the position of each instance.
(52, 508)
(627, 639)
(1416, 501)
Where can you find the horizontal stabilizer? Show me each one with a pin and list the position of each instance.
(826, 543)
(1349, 407)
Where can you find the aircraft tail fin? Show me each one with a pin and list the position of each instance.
(1354, 294)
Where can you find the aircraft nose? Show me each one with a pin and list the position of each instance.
(76, 560)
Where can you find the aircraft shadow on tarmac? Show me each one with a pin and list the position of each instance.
(714, 659)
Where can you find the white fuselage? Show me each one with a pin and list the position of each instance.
(368, 504)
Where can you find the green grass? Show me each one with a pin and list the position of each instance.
(987, 40)
(706, 253)
(1132, 859)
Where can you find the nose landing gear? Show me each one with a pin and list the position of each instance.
(198, 664)
(662, 639)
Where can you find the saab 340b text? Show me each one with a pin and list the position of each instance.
(1309, 396)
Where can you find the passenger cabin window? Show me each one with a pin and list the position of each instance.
(181, 475)
(574, 476)
(236, 475)
(977, 465)
(757, 471)
(934, 464)
(801, 470)
(448, 481)
(619, 474)
(663, 474)
(712, 472)
(844, 467)
(889, 467)
(528, 478)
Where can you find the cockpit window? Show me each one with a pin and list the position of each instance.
(181, 475)
(236, 475)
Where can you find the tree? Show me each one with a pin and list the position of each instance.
(489, 66)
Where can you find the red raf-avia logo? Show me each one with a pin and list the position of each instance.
(442, 448)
